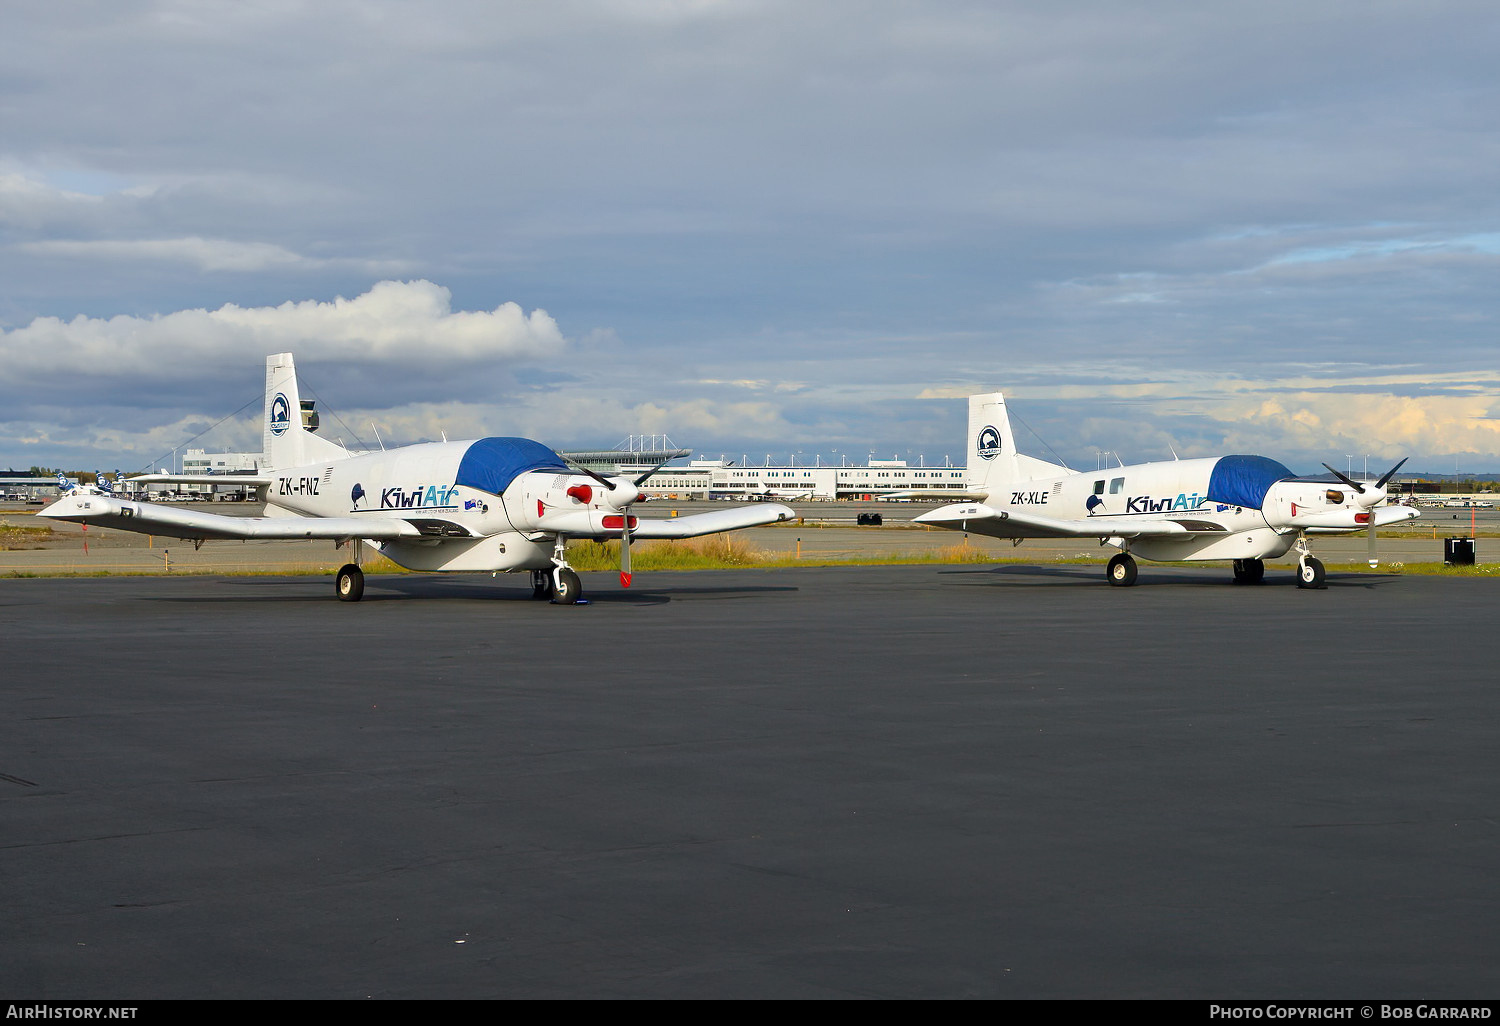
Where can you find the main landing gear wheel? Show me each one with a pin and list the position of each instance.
(1310, 573)
(1121, 570)
(350, 583)
(1249, 571)
(566, 587)
(541, 584)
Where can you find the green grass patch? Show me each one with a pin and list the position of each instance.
(714, 552)
(13, 537)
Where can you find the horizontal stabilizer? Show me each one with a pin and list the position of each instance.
(199, 479)
(932, 495)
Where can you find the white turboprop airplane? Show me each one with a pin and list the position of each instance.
(495, 504)
(1242, 508)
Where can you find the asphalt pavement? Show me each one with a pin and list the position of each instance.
(884, 782)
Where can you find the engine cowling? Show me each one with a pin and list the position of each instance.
(572, 505)
(1294, 505)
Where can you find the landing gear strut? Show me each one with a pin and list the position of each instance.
(1309, 567)
(1121, 570)
(566, 588)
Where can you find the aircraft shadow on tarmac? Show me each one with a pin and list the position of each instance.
(1166, 575)
(402, 588)
(446, 587)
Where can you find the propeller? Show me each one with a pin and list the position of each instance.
(625, 531)
(618, 496)
(1374, 495)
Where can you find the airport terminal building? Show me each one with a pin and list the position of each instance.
(721, 479)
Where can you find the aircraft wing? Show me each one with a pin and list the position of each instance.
(151, 518)
(978, 518)
(715, 522)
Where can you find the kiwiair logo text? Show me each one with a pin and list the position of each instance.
(987, 445)
(1146, 504)
(420, 497)
(281, 414)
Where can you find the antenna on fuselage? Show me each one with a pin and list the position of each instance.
(377, 435)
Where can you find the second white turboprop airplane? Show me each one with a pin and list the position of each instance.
(495, 504)
(1242, 508)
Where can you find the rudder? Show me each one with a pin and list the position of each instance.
(284, 441)
(992, 447)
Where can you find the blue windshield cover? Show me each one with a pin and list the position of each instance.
(491, 464)
(1244, 480)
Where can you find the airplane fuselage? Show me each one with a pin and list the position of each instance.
(472, 529)
(1176, 489)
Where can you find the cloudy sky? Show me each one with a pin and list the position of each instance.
(760, 227)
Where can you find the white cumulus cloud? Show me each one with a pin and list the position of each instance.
(403, 322)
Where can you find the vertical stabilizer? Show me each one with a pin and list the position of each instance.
(993, 458)
(285, 442)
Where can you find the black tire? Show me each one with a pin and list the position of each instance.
(1249, 571)
(350, 583)
(566, 588)
(541, 584)
(1310, 573)
(1121, 571)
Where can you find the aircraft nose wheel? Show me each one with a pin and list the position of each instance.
(566, 587)
(1310, 572)
(1249, 571)
(1121, 570)
(350, 583)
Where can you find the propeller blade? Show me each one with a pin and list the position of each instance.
(642, 479)
(1390, 474)
(606, 482)
(1352, 484)
(625, 554)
